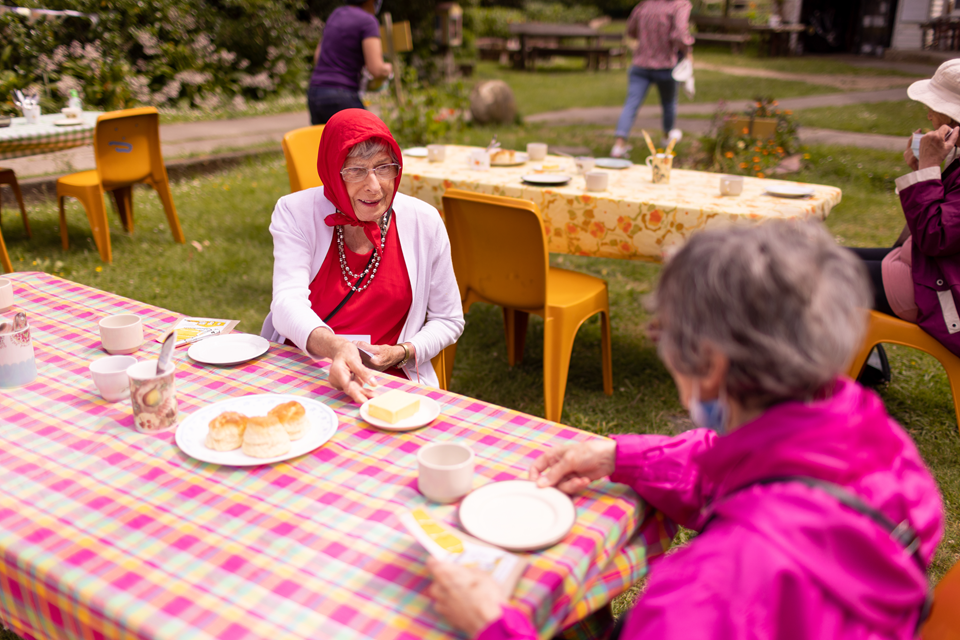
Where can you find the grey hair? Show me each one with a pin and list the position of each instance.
(781, 300)
(369, 148)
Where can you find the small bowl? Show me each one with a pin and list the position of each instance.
(5, 121)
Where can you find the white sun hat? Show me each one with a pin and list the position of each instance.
(942, 92)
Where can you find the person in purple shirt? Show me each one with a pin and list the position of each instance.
(350, 43)
(797, 481)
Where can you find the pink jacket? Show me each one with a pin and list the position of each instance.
(781, 560)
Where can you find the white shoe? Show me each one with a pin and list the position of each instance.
(620, 150)
(675, 134)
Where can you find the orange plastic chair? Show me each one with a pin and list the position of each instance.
(443, 365)
(882, 328)
(126, 145)
(944, 620)
(300, 148)
(500, 256)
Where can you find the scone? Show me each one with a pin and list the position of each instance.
(292, 417)
(265, 438)
(503, 156)
(226, 431)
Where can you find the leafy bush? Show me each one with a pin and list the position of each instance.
(494, 22)
(164, 53)
(730, 147)
(430, 114)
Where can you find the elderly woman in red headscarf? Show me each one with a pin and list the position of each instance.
(357, 264)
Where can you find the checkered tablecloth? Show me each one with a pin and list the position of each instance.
(22, 139)
(106, 532)
(633, 219)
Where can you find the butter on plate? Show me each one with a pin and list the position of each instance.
(393, 406)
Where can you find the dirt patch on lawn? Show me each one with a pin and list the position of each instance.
(848, 83)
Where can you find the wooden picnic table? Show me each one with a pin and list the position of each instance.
(593, 52)
(107, 532)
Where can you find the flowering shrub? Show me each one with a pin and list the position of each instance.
(431, 114)
(732, 148)
(188, 54)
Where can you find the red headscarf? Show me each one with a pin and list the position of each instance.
(343, 131)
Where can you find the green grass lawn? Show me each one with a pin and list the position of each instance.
(897, 118)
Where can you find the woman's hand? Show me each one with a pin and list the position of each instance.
(912, 161)
(383, 356)
(468, 598)
(572, 467)
(347, 372)
(935, 145)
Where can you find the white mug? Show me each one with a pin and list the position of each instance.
(479, 160)
(6, 294)
(445, 471)
(110, 376)
(731, 185)
(32, 114)
(536, 151)
(915, 144)
(436, 152)
(584, 164)
(121, 334)
(597, 180)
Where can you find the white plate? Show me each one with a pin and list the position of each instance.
(192, 432)
(68, 122)
(613, 163)
(788, 190)
(552, 179)
(518, 159)
(416, 152)
(232, 348)
(429, 410)
(517, 515)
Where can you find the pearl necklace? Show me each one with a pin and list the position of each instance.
(374, 263)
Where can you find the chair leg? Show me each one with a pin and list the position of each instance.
(23, 209)
(123, 199)
(64, 238)
(4, 256)
(166, 197)
(606, 353)
(557, 350)
(515, 329)
(99, 225)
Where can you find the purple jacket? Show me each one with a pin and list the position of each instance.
(780, 561)
(932, 210)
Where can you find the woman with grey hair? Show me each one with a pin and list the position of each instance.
(362, 274)
(815, 513)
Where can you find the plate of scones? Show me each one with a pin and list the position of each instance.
(257, 429)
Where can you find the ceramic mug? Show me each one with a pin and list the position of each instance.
(536, 151)
(17, 363)
(6, 294)
(660, 166)
(915, 144)
(121, 334)
(436, 152)
(445, 471)
(32, 114)
(584, 164)
(731, 185)
(597, 180)
(110, 376)
(153, 397)
(479, 160)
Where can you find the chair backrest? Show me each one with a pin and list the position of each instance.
(126, 145)
(300, 148)
(944, 620)
(498, 247)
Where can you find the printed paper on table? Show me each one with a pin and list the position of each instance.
(189, 328)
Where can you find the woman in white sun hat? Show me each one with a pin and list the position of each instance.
(917, 279)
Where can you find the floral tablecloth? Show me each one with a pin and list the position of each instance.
(22, 139)
(634, 219)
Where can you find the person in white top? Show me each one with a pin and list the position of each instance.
(357, 264)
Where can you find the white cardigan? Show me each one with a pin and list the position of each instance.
(301, 240)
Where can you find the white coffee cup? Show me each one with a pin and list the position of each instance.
(32, 114)
(597, 180)
(915, 144)
(6, 294)
(110, 376)
(479, 160)
(584, 164)
(436, 152)
(445, 471)
(731, 185)
(536, 151)
(121, 334)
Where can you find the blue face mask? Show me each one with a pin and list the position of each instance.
(711, 414)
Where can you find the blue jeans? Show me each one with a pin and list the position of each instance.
(640, 80)
(326, 101)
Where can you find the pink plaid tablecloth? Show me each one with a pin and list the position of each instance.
(109, 533)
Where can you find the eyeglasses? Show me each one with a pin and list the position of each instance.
(359, 174)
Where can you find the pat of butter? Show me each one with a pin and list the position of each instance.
(394, 406)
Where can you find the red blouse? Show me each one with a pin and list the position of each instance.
(381, 309)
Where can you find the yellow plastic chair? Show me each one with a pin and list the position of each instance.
(300, 148)
(882, 328)
(500, 256)
(443, 365)
(126, 145)
(944, 620)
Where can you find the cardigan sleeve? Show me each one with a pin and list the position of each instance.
(293, 249)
